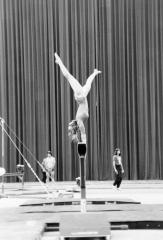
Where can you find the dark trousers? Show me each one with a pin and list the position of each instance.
(44, 177)
(118, 177)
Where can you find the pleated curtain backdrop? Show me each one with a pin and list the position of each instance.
(123, 39)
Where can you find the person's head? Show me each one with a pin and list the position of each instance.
(117, 152)
(49, 153)
(73, 129)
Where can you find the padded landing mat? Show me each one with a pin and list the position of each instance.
(68, 201)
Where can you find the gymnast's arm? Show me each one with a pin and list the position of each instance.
(82, 131)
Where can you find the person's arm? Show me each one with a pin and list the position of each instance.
(115, 170)
(54, 163)
(43, 166)
(82, 131)
(122, 166)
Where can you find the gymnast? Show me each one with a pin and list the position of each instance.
(76, 129)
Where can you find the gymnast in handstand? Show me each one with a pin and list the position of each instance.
(76, 129)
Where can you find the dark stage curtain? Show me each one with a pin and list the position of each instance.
(123, 39)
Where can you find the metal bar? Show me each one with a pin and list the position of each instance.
(82, 159)
(3, 152)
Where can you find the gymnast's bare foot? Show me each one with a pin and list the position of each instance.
(57, 58)
(96, 71)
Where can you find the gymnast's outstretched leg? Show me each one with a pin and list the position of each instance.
(77, 88)
(87, 86)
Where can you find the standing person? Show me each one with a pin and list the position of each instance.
(117, 167)
(48, 168)
(76, 129)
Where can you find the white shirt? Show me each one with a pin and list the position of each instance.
(117, 159)
(49, 163)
